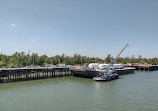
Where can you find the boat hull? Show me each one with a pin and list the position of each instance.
(84, 74)
(106, 78)
(100, 79)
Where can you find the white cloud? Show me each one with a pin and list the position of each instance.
(34, 41)
(13, 25)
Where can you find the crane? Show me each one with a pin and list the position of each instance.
(113, 60)
(144, 63)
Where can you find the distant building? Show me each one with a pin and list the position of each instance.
(140, 57)
(126, 57)
(132, 57)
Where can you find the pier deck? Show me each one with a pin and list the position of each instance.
(145, 68)
(24, 74)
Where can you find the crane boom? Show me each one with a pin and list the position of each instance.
(121, 51)
(112, 61)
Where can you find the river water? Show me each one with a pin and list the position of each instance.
(132, 92)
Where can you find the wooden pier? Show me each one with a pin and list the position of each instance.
(145, 68)
(25, 74)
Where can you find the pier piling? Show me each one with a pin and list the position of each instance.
(25, 74)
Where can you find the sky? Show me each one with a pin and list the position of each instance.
(93, 28)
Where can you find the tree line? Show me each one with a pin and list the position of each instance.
(20, 59)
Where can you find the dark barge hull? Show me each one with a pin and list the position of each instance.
(84, 74)
(91, 74)
(125, 71)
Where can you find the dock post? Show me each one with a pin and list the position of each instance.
(52, 73)
(15, 76)
(66, 72)
(8, 78)
(42, 74)
(47, 73)
(25, 76)
(2, 79)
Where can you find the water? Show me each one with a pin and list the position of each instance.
(133, 92)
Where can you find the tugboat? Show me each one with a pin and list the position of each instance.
(109, 73)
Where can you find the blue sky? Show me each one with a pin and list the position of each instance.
(93, 28)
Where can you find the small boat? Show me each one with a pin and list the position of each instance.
(106, 75)
(103, 76)
(109, 73)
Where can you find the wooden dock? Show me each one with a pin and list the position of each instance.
(24, 74)
(145, 68)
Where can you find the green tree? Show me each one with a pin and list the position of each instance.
(108, 59)
(2, 64)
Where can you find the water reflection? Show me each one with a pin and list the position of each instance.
(132, 92)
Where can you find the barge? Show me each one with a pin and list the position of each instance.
(90, 73)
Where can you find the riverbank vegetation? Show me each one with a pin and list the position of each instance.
(21, 59)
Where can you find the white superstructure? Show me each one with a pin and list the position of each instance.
(93, 65)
